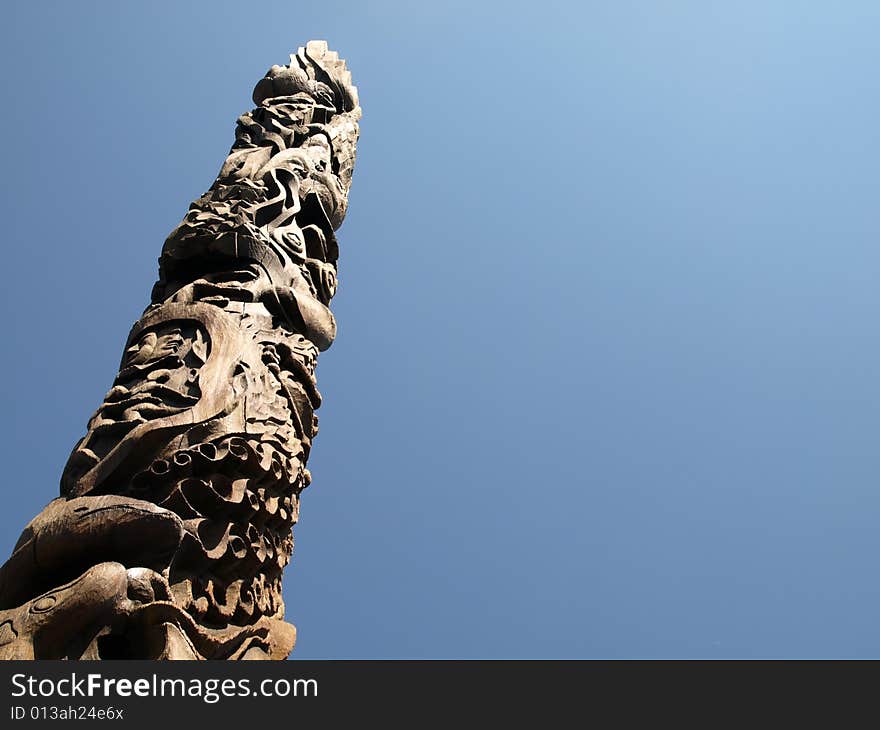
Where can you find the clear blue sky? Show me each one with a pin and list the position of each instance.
(606, 382)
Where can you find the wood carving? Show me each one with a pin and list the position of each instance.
(175, 518)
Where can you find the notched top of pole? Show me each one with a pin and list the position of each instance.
(176, 509)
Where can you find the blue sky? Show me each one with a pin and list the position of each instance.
(605, 383)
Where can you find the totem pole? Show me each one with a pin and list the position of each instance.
(176, 509)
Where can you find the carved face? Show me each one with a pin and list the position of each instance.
(317, 149)
(159, 376)
(159, 390)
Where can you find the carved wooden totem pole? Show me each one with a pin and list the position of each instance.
(176, 509)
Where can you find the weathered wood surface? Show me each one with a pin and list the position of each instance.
(176, 511)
